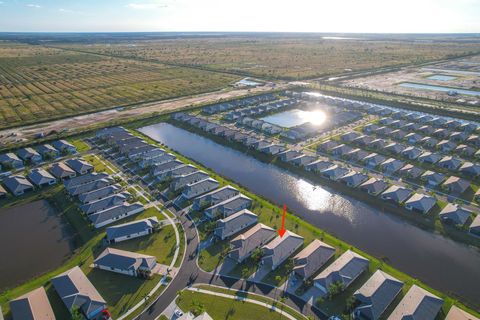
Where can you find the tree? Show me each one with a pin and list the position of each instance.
(350, 303)
(76, 313)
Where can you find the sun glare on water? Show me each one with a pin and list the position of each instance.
(314, 117)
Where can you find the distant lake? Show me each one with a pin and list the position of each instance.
(439, 88)
(34, 240)
(295, 117)
(441, 77)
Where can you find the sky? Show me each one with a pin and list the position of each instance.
(368, 16)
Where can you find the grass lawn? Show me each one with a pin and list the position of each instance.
(212, 257)
(220, 308)
(81, 145)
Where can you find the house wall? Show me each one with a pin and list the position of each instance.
(125, 272)
(133, 235)
(99, 225)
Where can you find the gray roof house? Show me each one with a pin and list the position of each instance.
(177, 172)
(161, 169)
(182, 181)
(394, 147)
(318, 165)
(357, 154)
(433, 178)
(61, 171)
(465, 150)
(420, 202)
(243, 245)
(417, 304)
(353, 178)
(345, 270)
(411, 171)
(304, 161)
(378, 144)
(374, 186)
(470, 168)
(446, 146)
(413, 138)
(308, 261)
(17, 185)
(475, 226)
(350, 136)
(29, 155)
(91, 186)
(196, 189)
(392, 165)
(455, 214)
(273, 149)
(79, 165)
(3, 192)
(429, 142)
(98, 194)
(214, 197)
(429, 157)
(376, 295)
(235, 223)
(373, 160)
(33, 305)
(456, 185)
(75, 289)
(334, 172)
(86, 178)
(11, 160)
(278, 250)
(396, 194)
(102, 204)
(158, 160)
(449, 162)
(64, 146)
(289, 155)
(112, 214)
(125, 262)
(456, 313)
(131, 230)
(46, 150)
(341, 150)
(228, 207)
(40, 177)
(326, 146)
(412, 153)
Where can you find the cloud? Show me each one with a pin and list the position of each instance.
(146, 5)
(31, 5)
(66, 10)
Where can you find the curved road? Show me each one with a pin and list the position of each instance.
(189, 273)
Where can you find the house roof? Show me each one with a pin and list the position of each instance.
(219, 195)
(450, 161)
(75, 289)
(33, 305)
(430, 157)
(137, 226)
(411, 170)
(79, 165)
(392, 164)
(99, 193)
(377, 294)
(245, 243)
(86, 178)
(124, 260)
(456, 313)
(312, 258)
(235, 222)
(280, 248)
(456, 184)
(26, 153)
(17, 183)
(2, 191)
(231, 203)
(434, 177)
(421, 202)
(455, 213)
(354, 178)
(62, 144)
(199, 187)
(417, 304)
(374, 185)
(9, 157)
(60, 170)
(475, 223)
(40, 176)
(112, 212)
(90, 186)
(396, 193)
(104, 203)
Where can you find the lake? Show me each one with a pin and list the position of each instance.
(296, 117)
(34, 240)
(441, 77)
(438, 88)
(440, 262)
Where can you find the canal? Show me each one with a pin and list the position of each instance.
(442, 263)
(34, 239)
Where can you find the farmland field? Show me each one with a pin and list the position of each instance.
(39, 83)
(288, 57)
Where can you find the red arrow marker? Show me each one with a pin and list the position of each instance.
(282, 230)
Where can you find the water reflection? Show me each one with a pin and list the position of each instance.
(296, 117)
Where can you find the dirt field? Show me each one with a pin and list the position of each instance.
(286, 56)
(38, 83)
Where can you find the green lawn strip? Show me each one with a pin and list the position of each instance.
(270, 214)
(100, 164)
(252, 296)
(220, 308)
(80, 145)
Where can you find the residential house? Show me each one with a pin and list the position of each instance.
(112, 214)
(86, 178)
(10, 160)
(159, 170)
(470, 169)
(395, 147)
(475, 226)
(280, 249)
(396, 194)
(465, 150)
(175, 173)
(411, 171)
(429, 142)
(304, 161)
(374, 186)
(456, 185)
(79, 165)
(243, 245)
(228, 207)
(357, 154)
(376, 295)
(102, 204)
(131, 230)
(198, 188)
(459, 136)
(420, 202)
(29, 155)
(47, 151)
(353, 178)
(61, 171)
(64, 146)
(214, 197)
(398, 134)
(312, 258)
(432, 178)
(456, 313)
(348, 267)
(412, 153)
(326, 146)
(91, 186)
(373, 160)
(449, 162)
(441, 133)
(273, 149)
(182, 181)
(98, 194)
(429, 157)
(235, 223)
(334, 172)
(417, 304)
(33, 305)
(289, 155)
(126, 262)
(378, 144)
(392, 165)
(446, 146)
(76, 290)
(40, 178)
(350, 136)
(318, 165)
(17, 185)
(341, 150)
(455, 214)
(3, 192)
